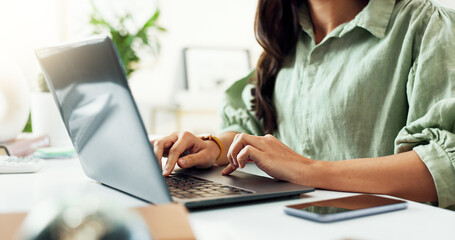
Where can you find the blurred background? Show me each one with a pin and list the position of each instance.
(169, 101)
(195, 49)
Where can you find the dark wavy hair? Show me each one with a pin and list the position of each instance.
(276, 29)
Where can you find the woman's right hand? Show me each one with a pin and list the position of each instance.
(186, 150)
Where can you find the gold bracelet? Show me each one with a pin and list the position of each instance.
(217, 141)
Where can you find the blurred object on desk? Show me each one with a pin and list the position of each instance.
(86, 217)
(13, 164)
(14, 101)
(3, 151)
(54, 152)
(90, 215)
(25, 144)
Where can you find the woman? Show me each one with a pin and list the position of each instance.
(367, 82)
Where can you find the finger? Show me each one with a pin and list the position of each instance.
(179, 147)
(160, 145)
(159, 149)
(239, 142)
(230, 155)
(248, 154)
(228, 169)
(192, 160)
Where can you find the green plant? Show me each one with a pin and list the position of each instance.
(127, 42)
(28, 126)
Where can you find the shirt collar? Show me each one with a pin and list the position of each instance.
(375, 17)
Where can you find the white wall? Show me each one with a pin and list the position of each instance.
(26, 28)
(448, 3)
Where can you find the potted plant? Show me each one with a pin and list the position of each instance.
(129, 42)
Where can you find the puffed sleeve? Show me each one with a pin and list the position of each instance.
(235, 112)
(430, 129)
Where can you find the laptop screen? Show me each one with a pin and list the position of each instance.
(90, 88)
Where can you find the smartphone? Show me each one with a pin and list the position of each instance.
(345, 208)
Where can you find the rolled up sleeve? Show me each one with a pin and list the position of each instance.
(430, 129)
(433, 140)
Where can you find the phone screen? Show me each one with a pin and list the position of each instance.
(346, 204)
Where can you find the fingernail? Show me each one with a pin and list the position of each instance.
(164, 171)
(182, 162)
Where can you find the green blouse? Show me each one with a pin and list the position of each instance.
(380, 84)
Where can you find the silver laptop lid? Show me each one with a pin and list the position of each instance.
(90, 89)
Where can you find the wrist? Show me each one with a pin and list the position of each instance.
(215, 146)
(311, 171)
(214, 150)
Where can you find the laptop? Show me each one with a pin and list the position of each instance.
(89, 86)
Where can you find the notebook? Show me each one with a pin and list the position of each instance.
(91, 91)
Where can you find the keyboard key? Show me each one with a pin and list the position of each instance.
(186, 186)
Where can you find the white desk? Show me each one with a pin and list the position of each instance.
(264, 220)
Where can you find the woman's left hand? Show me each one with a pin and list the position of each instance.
(269, 154)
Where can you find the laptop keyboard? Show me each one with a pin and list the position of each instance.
(186, 186)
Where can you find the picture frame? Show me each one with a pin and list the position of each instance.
(209, 69)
